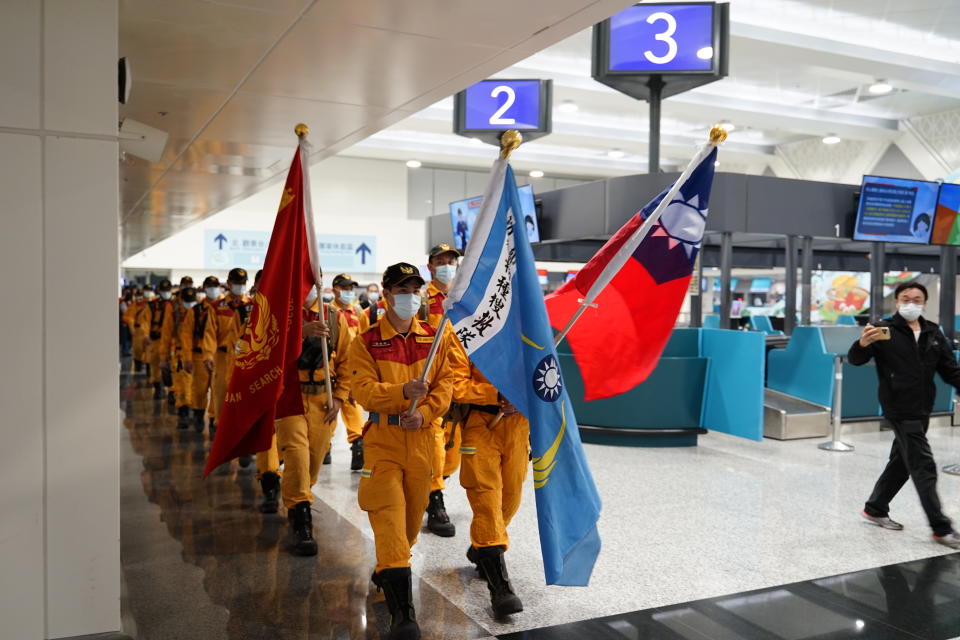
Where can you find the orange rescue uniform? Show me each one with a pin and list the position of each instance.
(139, 324)
(305, 439)
(191, 333)
(159, 310)
(447, 458)
(395, 483)
(171, 350)
(357, 321)
(224, 329)
(494, 460)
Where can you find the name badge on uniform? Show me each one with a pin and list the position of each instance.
(425, 339)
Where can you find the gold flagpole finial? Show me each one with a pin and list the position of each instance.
(717, 134)
(301, 130)
(509, 141)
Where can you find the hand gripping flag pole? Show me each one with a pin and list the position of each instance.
(302, 132)
(509, 142)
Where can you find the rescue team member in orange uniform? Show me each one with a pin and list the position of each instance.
(159, 310)
(442, 262)
(344, 290)
(172, 346)
(304, 440)
(385, 362)
(224, 330)
(140, 327)
(192, 330)
(494, 467)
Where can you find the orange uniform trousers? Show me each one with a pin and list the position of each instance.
(446, 460)
(352, 417)
(303, 441)
(494, 467)
(199, 383)
(222, 368)
(395, 487)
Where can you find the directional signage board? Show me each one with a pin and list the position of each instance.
(488, 108)
(345, 253)
(225, 249)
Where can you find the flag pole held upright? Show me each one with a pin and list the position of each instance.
(302, 132)
(509, 142)
(717, 135)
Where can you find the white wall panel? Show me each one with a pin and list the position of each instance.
(21, 390)
(20, 70)
(80, 65)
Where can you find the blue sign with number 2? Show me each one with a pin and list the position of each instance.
(503, 104)
(662, 38)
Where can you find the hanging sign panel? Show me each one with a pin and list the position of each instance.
(490, 107)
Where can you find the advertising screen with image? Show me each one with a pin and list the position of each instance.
(946, 223)
(463, 215)
(895, 210)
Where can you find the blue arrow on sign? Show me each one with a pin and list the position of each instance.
(220, 239)
(363, 250)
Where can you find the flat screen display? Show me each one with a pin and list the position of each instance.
(946, 222)
(760, 285)
(895, 210)
(662, 38)
(733, 284)
(463, 215)
(503, 104)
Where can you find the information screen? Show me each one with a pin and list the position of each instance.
(503, 104)
(760, 285)
(463, 215)
(662, 38)
(946, 223)
(895, 210)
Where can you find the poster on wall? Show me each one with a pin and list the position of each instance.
(839, 293)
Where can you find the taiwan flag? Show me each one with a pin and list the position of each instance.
(632, 290)
(265, 383)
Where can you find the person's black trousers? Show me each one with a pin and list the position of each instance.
(910, 457)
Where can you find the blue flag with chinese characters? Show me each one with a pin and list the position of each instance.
(497, 310)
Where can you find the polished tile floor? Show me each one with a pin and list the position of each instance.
(767, 522)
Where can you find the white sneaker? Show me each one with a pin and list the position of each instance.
(951, 540)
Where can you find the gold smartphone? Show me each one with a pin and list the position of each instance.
(884, 333)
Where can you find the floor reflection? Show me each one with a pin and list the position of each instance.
(251, 586)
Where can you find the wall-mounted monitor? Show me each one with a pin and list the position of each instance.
(761, 285)
(733, 284)
(463, 215)
(895, 210)
(946, 222)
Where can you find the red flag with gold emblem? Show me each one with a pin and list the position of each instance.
(265, 385)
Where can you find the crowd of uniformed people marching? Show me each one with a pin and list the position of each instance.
(183, 340)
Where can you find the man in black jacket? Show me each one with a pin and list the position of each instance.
(906, 363)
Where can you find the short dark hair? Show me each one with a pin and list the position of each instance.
(903, 286)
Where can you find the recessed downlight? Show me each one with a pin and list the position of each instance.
(831, 139)
(536, 173)
(414, 164)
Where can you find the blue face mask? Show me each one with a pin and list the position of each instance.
(446, 273)
(406, 305)
(347, 297)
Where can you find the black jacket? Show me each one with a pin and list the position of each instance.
(906, 366)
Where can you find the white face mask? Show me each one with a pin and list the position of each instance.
(166, 295)
(446, 272)
(910, 312)
(189, 305)
(149, 295)
(406, 305)
(212, 292)
(347, 297)
(373, 296)
(238, 289)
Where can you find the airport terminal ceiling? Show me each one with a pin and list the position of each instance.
(227, 81)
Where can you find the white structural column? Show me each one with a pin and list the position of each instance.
(59, 462)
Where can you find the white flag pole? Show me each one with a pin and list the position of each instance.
(717, 136)
(302, 131)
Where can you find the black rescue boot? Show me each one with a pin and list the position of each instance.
(438, 522)
(397, 586)
(326, 458)
(183, 417)
(302, 523)
(270, 483)
(356, 460)
(493, 568)
(198, 420)
(473, 555)
(157, 391)
(171, 398)
(213, 428)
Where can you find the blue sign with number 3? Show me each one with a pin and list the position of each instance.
(662, 38)
(503, 104)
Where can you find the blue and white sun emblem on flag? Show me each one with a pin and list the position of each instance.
(547, 383)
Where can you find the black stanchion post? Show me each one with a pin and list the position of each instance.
(726, 266)
(790, 301)
(806, 277)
